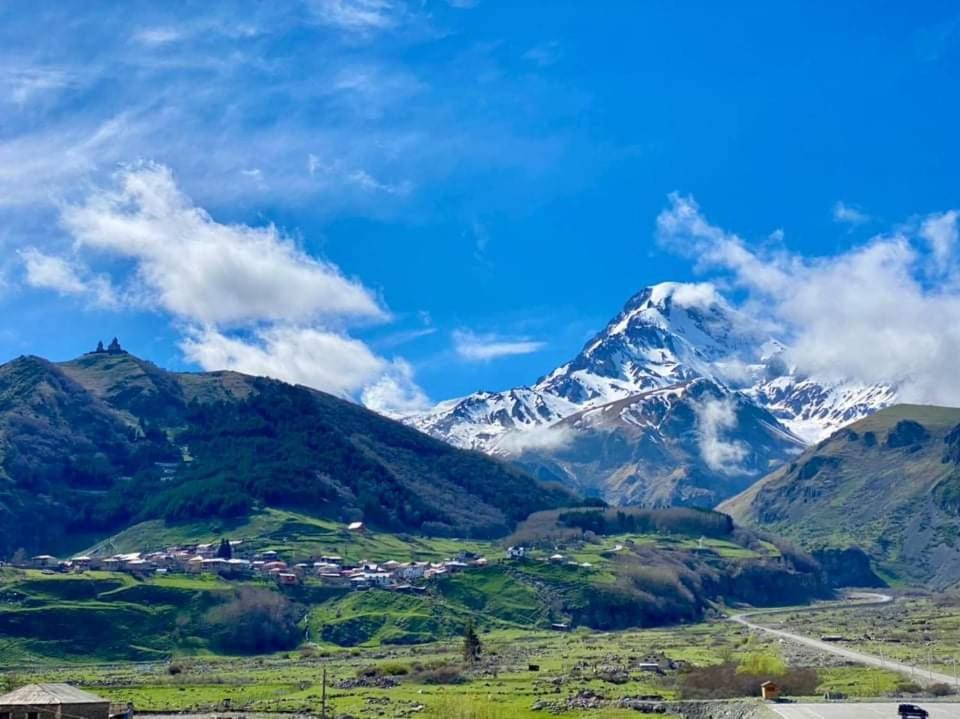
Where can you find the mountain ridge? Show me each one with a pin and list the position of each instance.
(889, 483)
(99, 442)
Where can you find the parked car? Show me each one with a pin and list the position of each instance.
(912, 711)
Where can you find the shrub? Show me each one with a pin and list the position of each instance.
(908, 687)
(941, 689)
(724, 681)
(394, 669)
(438, 673)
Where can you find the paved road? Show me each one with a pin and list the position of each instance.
(859, 711)
(864, 600)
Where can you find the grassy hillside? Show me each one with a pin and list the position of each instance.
(90, 446)
(104, 616)
(298, 536)
(642, 568)
(889, 483)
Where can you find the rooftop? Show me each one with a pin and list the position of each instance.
(44, 694)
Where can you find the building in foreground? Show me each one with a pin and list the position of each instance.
(53, 701)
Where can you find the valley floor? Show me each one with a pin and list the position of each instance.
(572, 674)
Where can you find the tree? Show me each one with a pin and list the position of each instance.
(472, 647)
(255, 621)
(225, 551)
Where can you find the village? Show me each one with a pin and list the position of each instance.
(230, 560)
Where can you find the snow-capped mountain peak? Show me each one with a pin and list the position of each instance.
(666, 334)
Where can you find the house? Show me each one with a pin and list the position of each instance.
(287, 579)
(769, 691)
(52, 701)
(378, 579)
(557, 558)
(238, 566)
(334, 578)
(516, 552)
(44, 561)
(416, 570)
(356, 527)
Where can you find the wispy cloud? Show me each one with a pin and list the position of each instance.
(485, 347)
(848, 214)
(715, 419)
(66, 277)
(361, 16)
(544, 54)
(536, 439)
(156, 36)
(25, 85)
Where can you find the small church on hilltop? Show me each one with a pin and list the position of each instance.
(113, 348)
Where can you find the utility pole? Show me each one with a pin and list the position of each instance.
(323, 711)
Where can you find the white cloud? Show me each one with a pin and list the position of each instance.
(698, 294)
(49, 272)
(873, 313)
(849, 214)
(536, 439)
(395, 393)
(715, 417)
(302, 355)
(52, 273)
(246, 298)
(204, 271)
(485, 347)
(941, 231)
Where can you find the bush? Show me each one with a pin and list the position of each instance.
(255, 621)
(438, 673)
(394, 669)
(724, 681)
(941, 689)
(908, 687)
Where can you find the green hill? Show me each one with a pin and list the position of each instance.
(620, 569)
(91, 446)
(889, 483)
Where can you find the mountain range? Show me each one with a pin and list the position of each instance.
(95, 444)
(681, 399)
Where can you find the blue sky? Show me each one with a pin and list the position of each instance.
(408, 201)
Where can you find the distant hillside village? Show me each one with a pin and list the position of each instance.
(229, 560)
